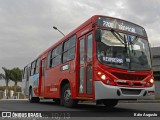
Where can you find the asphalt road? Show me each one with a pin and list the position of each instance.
(91, 108)
(48, 105)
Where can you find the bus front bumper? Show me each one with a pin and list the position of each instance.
(103, 91)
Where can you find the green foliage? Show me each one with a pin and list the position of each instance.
(16, 75)
(2, 76)
(2, 88)
(6, 76)
(11, 88)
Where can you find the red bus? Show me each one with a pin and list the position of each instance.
(105, 59)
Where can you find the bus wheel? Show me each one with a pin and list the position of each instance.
(110, 103)
(66, 97)
(31, 98)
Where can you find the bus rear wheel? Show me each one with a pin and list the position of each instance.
(31, 98)
(110, 103)
(66, 98)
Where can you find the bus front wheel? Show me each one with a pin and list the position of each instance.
(110, 103)
(31, 98)
(66, 98)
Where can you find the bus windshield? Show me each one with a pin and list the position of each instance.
(123, 51)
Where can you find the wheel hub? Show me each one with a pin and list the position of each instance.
(67, 95)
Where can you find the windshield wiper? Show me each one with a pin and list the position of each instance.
(135, 40)
(119, 37)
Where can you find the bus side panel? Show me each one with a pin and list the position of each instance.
(51, 82)
(54, 78)
(25, 86)
(33, 82)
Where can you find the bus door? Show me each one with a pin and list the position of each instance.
(42, 78)
(85, 45)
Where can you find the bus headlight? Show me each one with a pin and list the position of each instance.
(103, 77)
(151, 80)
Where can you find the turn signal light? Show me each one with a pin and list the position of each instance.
(99, 73)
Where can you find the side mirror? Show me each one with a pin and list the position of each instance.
(98, 35)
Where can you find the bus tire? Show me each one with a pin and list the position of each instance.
(66, 99)
(110, 103)
(31, 98)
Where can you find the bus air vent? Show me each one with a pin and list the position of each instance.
(125, 76)
(130, 91)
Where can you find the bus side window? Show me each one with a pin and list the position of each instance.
(56, 56)
(89, 48)
(49, 60)
(29, 70)
(24, 73)
(33, 67)
(81, 51)
(37, 66)
(69, 49)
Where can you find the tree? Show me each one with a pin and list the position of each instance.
(6, 76)
(16, 76)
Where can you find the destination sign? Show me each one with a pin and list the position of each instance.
(121, 25)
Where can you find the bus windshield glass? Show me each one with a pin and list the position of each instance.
(123, 51)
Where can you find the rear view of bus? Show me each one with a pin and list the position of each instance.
(123, 70)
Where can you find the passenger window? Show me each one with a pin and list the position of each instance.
(81, 51)
(37, 66)
(49, 60)
(89, 48)
(56, 56)
(69, 49)
(33, 68)
(24, 73)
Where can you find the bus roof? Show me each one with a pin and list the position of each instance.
(92, 20)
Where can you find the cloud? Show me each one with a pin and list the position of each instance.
(26, 25)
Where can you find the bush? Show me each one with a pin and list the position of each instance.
(11, 88)
(2, 88)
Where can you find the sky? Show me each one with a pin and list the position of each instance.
(26, 26)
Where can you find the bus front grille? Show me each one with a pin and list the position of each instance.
(125, 76)
(130, 91)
